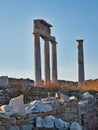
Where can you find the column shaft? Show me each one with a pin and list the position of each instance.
(46, 61)
(54, 62)
(80, 62)
(37, 59)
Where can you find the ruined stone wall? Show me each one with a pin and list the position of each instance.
(66, 112)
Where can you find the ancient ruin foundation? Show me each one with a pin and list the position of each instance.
(80, 62)
(42, 29)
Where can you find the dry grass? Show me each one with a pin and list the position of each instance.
(88, 84)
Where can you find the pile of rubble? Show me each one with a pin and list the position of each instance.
(40, 108)
(60, 112)
(88, 111)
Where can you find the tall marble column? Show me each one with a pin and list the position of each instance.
(80, 62)
(37, 59)
(46, 61)
(54, 62)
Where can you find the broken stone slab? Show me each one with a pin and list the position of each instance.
(3, 116)
(39, 106)
(48, 122)
(28, 109)
(21, 122)
(5, 108)
(48, 108)
(49, 100)
(4, 81)
(18, 104)
(27, 127)
(0, 122)
(87, 95)
(31, 116)
(59, 123)
(28, 82)
(2, 128)
(72, 98)
(5, 119)
(39, 122)
(64, 97)
(55, 106)
(14, 128)
(75, 126)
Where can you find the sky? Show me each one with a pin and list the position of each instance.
(71, 20)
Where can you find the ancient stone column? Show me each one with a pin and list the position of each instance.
(37, 58)
(54, 62)
(46, 61)
(80, 62)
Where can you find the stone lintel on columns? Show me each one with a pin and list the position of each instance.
(49, 37)
(44, 35)
(38, 21)
(42, 27)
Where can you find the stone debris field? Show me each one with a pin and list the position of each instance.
(59, 112)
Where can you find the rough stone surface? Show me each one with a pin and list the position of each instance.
(4, 81)
(14, 128)
(2, 128)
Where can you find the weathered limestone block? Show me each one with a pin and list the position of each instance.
(17, 104)
(28, 82)
(43, 128)
(35, 128)
(4, 81)
(13, 120)
(48, 122)
(64, 97)
(2, 128)
(14, 128)
(75, 126)
(27, 127)
(31, 116)
(18, 117)
(21, 122)
(0, 122)
(5, 108)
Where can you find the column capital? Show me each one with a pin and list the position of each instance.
(80, 40)
(49, 38)
(53, 42)
(46, 38)
(36, 33)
